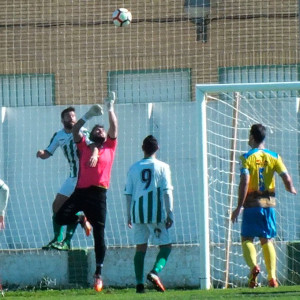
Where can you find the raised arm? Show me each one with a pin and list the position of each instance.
(77, 135)
(43, 154)
(113, 122)
(95, 110)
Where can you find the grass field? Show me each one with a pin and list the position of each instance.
(283, 293)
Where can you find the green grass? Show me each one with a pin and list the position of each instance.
(283, 293)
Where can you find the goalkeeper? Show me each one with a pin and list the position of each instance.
(257, 197)
(90, 192)
(149, 194)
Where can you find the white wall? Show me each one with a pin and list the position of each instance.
(182, 268)
(34, 182)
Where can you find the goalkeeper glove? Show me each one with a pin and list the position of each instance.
(110, 101)
(95, 110)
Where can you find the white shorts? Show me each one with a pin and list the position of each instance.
(157, 233)
(68, 186)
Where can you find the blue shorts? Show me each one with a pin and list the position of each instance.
(259, 222)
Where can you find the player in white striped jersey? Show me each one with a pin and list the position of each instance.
(149, 194)
(64, 139)
(4, 194)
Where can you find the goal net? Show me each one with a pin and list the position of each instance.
(228, 111)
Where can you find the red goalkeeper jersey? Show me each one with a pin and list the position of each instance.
(99, 175)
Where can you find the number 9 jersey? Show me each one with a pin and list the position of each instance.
(147, 181)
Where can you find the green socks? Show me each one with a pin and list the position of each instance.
(58, 230)
(161, 259)
(139, 258)
(160, 262)
(70, 232)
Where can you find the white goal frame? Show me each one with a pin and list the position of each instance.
(201, 91)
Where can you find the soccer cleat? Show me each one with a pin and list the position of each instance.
(140, 289)
(85, 224)
(273, 283)
(62, 246)
(49, 245)
(98, 283)
(156, 282)
(252, 283)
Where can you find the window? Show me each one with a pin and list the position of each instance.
(26, 90)
(253, 74)
(151, 85)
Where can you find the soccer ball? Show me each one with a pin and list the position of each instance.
(121, 17)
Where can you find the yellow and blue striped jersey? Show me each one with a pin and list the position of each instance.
(261, 164)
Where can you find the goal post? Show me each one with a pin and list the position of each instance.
(256, 101)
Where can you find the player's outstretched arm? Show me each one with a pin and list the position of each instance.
(113, 121)
(43, 154)
(95, 110)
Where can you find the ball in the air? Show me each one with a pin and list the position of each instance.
(121, 17)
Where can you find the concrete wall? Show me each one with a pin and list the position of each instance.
(54, 269)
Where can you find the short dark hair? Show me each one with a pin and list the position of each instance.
(67, 110)
(258, 131)
(150, 145)
(97, 126)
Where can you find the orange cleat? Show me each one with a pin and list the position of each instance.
(252, 283)
(85, 224)
(156, 282)
(273, 283)
(98, 283)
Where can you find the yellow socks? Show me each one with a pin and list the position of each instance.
(249, 253)
(270, 259)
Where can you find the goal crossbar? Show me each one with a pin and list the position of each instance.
(239, 87)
